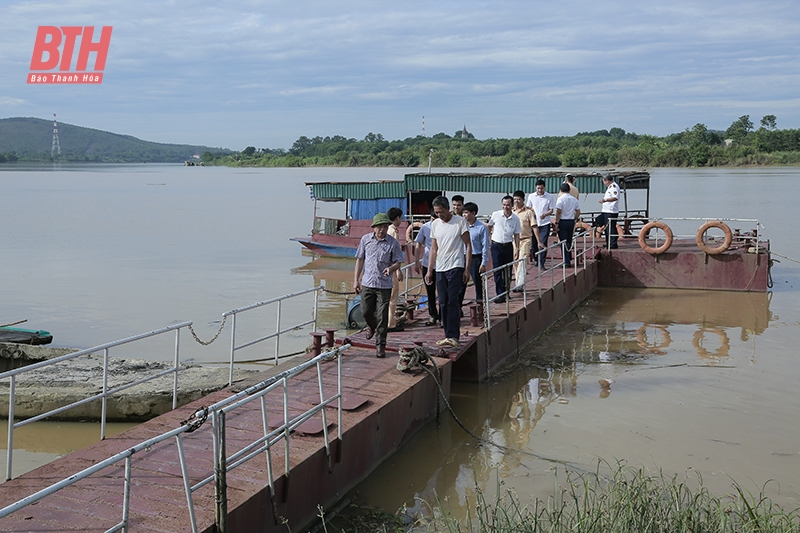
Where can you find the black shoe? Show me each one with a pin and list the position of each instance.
(380, 352)
(614, 247)
(518, 289)
(370, 333)
(499, 300)
(395, 329)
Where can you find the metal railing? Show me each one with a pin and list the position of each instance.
(405, 269)
(223, 463)
(751, 237)
(579, 258)
(278, 331)
(106, 391)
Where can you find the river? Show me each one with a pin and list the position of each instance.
(685, 381)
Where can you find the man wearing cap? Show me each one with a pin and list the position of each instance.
(378, 257)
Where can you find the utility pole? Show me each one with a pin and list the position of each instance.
(56, 142)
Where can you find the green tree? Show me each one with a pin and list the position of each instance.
(574, 158)
(769, 122)
(739, 129)
(207, 157)
(249, 151)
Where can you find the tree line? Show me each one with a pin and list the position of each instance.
(741, 144)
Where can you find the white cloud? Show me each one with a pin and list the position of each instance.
(512, 68)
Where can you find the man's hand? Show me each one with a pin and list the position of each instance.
(357, 287)
(428, 278)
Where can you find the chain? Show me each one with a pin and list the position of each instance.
(191, 330)
(340, 293)
(196, 420)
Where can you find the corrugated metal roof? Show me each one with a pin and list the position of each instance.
(587, 182)
(358, 190)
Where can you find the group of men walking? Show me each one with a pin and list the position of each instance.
(455, 246)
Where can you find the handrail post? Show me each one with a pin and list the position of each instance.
(233, 349)
(104, 401)
(220, 473)
(316, 305)
(126, 494)
(12, 389)
(176, 366)
(278, 332)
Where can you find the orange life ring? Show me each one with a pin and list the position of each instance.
(726, 243)
(646, 231)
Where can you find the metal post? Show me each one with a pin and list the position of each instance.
(177, 366)
(220, 473)
(278, 331)
(126, 494)
(12, 387)
(187, 488)
(104, 400)
(316, 306)
(233, 349)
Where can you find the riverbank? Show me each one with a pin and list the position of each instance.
(73, 380)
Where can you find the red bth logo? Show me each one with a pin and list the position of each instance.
(49, 55)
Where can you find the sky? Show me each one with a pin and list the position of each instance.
(263, 73)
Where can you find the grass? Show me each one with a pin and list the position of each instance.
(627, 500)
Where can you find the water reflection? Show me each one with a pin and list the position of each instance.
(606, 382)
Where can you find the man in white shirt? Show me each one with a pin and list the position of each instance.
(504, 229)
(542, 204)
(609, 211)
(567, 211)
(450, 257)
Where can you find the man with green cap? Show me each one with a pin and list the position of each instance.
(378, 256)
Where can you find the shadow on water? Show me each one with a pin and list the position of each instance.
(631, 374)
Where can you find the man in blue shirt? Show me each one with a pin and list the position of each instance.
(378, 257)
(479, 236)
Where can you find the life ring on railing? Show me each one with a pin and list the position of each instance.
(646, 231)
(724, 343)
(726, 243)
(410, 231)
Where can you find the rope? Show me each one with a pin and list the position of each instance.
(417, 358)
(191, 330)
(783, 256)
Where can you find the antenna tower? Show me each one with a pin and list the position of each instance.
(56, 142)
(423, 125)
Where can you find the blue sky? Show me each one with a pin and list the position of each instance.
(263, 73)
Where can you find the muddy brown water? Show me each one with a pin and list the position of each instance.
(685, 381)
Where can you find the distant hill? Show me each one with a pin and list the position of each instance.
(32, 139)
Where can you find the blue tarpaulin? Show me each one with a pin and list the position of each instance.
(366, 209)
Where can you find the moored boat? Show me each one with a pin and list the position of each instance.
(339, 237)
(24, 336)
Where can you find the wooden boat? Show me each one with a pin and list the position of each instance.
(339, 237)
(24, 336)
